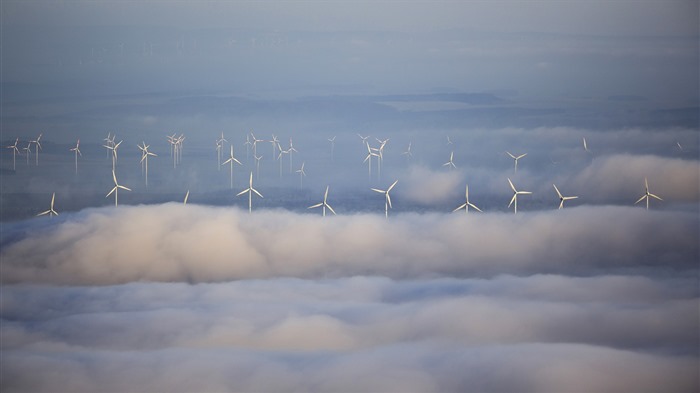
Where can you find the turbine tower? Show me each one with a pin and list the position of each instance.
(515, 196)
(250, 190)
(115, 190)
(516, 158)
(562, 198)
(647, 195)
(387, 199)
(324, 204)
(51, 211)
(467, 204)
(370, 154)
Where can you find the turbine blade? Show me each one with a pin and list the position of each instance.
(512, 199)
(392, 186)
(462, 206)
(474, 206)
(316, 205)
(110, 193)
(256, 191)
(511, 185)
(640, 199)
(331, 209)
(557, 190)
(655, 196)
(381, 191)
(42, 213)
(124, 188)
(243, 192)
(388, 199)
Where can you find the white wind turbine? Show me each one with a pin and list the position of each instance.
(364, 139)
(647, 195)
(250, 190)
(562, 198)
(275, 144)
(324, 204)
(257, 167)
(290, 151)
(37, 144)
(515, 196)
(113, 148)
(408, 153)
(28, 150)
(387, 201)
(231, 160)
(247, 147)
(332, 141)
(144, 158)
(116, 188)
(450, 164)
(301, 173)
(255, 143)
(467, 204)
(449, 142)
(516, 158)
(51, 211)
(279, 157)
(76, 149)
(219, 145)
(370, 154)
(15, 151)
(109, 140)
(380, 160)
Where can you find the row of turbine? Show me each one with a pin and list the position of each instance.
(376, 152)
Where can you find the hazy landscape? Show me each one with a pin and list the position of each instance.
(155, 295)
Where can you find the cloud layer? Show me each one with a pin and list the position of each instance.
(172, 242)
(537, 333)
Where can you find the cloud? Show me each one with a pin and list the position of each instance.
(172, 242)
(425, 186)
(372, 333)
(621, 176)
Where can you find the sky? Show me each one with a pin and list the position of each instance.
(155, 295)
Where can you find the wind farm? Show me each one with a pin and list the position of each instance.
(538, 168)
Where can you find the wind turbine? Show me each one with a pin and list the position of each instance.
(275, 144)
(290, 151)
(332, 141)
(562, 198)
(516, 160)
(255, 143)
(324, 204)
(387, 202)
(380, 160)
(279, 157)
(466, 204)
(116, 188)
(250, 190)
(647, 195)
(301, 173)
(515, 196)
(76, 149)
(450, 163)
(144, 157)
(364, 138)
(231, 160)
(449, 142)
(51, 211)
(15, 151)
(113, 147)
(408, 153)
(370, 154)
(219, 146)
(257, 167)
(28, 150)
(37, 147)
